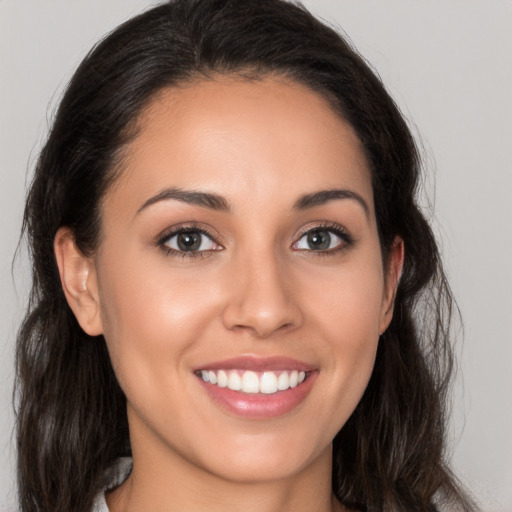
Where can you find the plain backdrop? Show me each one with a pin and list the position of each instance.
(447, 63)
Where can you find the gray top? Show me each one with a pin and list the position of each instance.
(114, 476)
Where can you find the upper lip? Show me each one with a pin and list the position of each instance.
(258, 364)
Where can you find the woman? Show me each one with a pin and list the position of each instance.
(233, 284)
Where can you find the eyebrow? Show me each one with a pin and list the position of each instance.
(204, 199)
(324, 196)
(219, 203)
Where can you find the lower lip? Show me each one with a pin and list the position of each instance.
(260, 405)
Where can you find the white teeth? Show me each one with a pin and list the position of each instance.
(222, 379)
(283, 382)
(268, 383)
(251, 382)
(294, 377)
(234, 381)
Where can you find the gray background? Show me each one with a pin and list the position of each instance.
(447, 63)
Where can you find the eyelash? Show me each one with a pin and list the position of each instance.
(333, 228)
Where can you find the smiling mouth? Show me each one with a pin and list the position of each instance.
(251, 382)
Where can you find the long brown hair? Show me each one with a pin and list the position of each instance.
(71, 413)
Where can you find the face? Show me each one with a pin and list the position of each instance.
(239, 250)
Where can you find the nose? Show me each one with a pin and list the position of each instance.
(262, 299)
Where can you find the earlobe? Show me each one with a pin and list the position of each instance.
(79, 282)
(392, 279)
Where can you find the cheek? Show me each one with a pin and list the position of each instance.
(348, 298)
(152, 318)
(346, 306)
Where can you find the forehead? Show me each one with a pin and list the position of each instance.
(239, 138)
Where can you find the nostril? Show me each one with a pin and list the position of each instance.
(261, 326)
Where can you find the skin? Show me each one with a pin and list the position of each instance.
(258, 289)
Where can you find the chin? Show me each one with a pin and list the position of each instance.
(265, 458)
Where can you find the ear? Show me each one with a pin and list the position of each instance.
(392, 276)
(79, 282)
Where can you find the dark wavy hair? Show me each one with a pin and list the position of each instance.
(71, 412)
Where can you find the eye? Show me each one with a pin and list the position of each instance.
(189, 240)
(323, 239)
